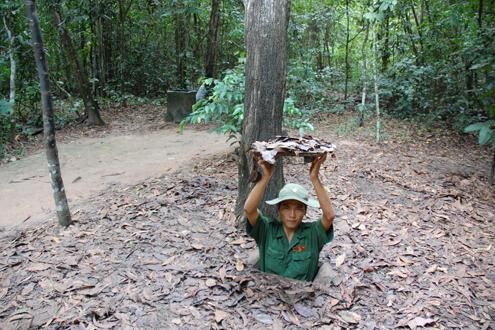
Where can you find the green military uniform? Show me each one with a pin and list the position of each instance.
(297, 259)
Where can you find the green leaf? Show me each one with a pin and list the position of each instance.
(473, 127)
(182, 124)
(485, 134)
(491, 111)
(5, 108)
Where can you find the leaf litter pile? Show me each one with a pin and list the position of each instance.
(306, 146)
(413, 248)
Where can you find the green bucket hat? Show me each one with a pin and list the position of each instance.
(295, 192)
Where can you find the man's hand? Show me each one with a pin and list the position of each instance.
(314, 170)
(256, 195)
(266, 167)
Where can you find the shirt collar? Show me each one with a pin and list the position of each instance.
(280, 233)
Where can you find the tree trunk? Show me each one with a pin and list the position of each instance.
(124, 9)
(13, 65)
(198, 49)
(326, 45)
(375, 80)
(103, 50)
(211, 48)
(420, 31)
(365, 76)
(480, 14)
(347, 41)
(492, 172)
(314, 43)
(180, 44)
(266, 69)
(385, 49)
(408, 31)
(57, 183)
(81, 80)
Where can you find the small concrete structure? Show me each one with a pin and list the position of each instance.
(179, 104)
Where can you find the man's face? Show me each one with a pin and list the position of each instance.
(291, 213)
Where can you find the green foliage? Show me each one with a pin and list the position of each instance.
(485, 129)
(294, 118)
(225, 106)
(436, 62)
(405, 91)
(7, 125)
(310, 87)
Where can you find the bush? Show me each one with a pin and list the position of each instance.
(312, 88)
(225, 106)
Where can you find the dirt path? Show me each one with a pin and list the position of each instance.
(90, 165)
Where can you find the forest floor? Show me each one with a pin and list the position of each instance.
(413, 247)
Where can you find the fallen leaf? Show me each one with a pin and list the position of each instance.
(56, 239)
(398, 273)
(350, 317)
(222, 272)
(333, 302)
(3, 292)
(419, 322)
(210, 282)
(19, 316)
(340, 260)
(394, 242)
(197, 246)
(238, 241)
(277, 325)
(263, 318)
(431, 269)
(403, 261)
(28, 289)
(220, 315)
(37, 267)
(239, 265)
(304, 310)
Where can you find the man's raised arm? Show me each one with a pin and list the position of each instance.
(256, 195)
(321, 193)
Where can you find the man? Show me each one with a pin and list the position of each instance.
(290, 247)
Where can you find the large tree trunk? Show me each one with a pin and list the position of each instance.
(266, 69)
(211, 50)
(82, 82)
(61, 204)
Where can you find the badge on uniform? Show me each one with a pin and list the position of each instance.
(299, 248)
